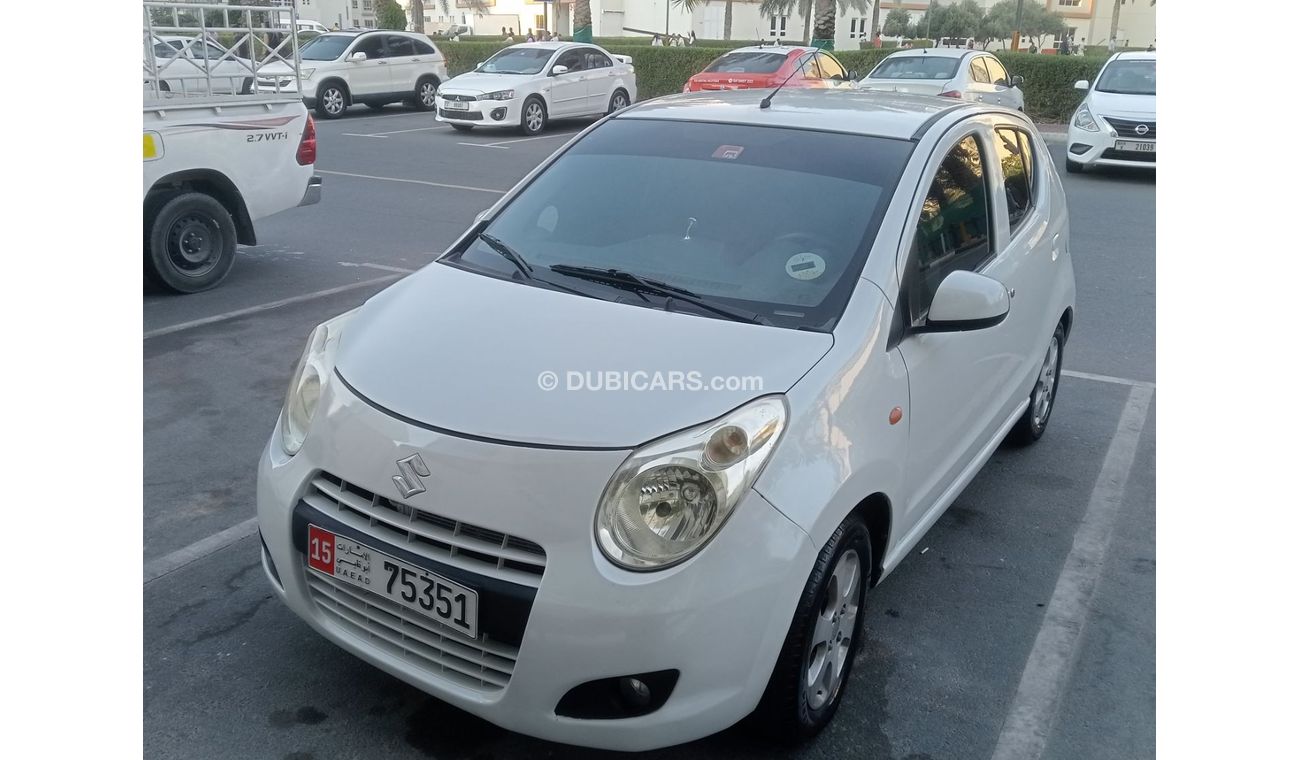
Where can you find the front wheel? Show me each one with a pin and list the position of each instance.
(533, 119)
(1042, 399)
(331, 101)
(807, 683)
(191, 244)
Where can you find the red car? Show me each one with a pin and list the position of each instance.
(767, 66)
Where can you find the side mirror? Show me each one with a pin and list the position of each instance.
(478, 65)
(357, 57)
(853, 75)
(559, 69)
(967, 301)
(1017, 80)
(1082, 84)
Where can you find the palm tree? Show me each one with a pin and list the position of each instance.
(826, 13)
(582, 20)
(690, 5)
(1114, 18)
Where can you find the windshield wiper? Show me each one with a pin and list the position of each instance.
(509, 254)
(623, 278)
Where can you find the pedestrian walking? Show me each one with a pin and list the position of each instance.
(691, 41)
(1110, 46)
(656, 42)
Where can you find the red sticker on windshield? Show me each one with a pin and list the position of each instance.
(729, 152)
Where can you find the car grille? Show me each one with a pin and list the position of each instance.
(461, 98)
(481, 664)
(1129, 155)
(470, 547)
(1129, 127)
(462, 115)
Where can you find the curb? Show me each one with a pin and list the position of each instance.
(1053, 138)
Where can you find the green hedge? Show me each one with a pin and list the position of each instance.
(1048, 87)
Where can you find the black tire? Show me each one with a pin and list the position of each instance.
(618, 101)
(787, 712)
(331, 100)
(1073, 167)
(534, 114)
(191, 244)
(462, 127)
(425, 91)
(1033, 423)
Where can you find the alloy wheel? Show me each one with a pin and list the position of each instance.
(428, 94)
(1045, 388)
(333, 99)
(826, 656)
(533, 116)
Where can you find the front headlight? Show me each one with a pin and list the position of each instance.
(499, 95)
(308, 383)
(1083, 119)
(672, 495)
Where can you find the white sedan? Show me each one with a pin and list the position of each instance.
(623, 465)
(527, 85)
(1115, 125)
(948, 72)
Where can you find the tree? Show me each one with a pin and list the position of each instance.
(390, 14)
(417, 16)
(1038, 22)
(690, 5)
(826, 12)
(998, 23)
(898, 23)
(582, 21)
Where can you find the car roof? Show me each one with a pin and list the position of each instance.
(1135, 55)
(937, 52)
(787, 49)
(557, 45)
(895, 115)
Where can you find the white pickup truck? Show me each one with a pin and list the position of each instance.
(215, 163)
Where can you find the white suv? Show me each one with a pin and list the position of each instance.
(340, 69)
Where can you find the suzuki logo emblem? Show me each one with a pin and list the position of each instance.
(408, 475)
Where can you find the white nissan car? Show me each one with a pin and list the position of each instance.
(1115, 125)
(622, 465)
(947, 72)
(527, 85)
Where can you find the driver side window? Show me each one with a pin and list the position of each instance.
(372, 45)
(572, 59)
(953, 231)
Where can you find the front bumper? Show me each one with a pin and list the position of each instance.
(480, 113)
(719, 618)
(1099, 149)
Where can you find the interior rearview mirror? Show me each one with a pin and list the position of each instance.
(357, 57)
(967, 301)
(558, 69)
(1082, 84)
(1017, 80)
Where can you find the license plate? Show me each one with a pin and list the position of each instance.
(413, 587)
(1140, 147)
(457, 105)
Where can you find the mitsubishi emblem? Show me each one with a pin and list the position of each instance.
(408, 475)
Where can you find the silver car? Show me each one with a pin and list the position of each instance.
(948, 72)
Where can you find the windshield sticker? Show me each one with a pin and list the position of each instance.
(728, 152)
(805, 266)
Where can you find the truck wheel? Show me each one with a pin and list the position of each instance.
(191, 244)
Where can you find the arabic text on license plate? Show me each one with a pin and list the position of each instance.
(412, 587)
(1140, 147)
(457, 105)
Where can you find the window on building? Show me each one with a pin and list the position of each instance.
(1069, 34)
(539, 22)
(858, 28)
(354, 3)
(1069, 3)
(776, 26)
(366, 5)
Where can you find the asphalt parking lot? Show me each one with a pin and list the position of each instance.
(966, 632)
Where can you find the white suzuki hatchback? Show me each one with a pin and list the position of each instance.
(527, 85)
(620, 467)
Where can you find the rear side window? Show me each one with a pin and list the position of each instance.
(1017, 173)
(747, 63)
(978, 72)
(809, 67)
(400, 46)
(916, 67)
(830, 67)
(424, 48)
(596, 59)
(953, 231)
(996, 72)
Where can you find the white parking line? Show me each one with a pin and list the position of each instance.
(198, 550)
(417, 129)
(1108, 379)
(358, 134)
(1028, 725)
(484, 145)
(526, 139)
(416, 182)
(265, 307)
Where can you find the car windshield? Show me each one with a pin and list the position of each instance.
(748, 63)
(761, 219)
(916, 67)
(1128, 78)
(327, 47)
(517, 60)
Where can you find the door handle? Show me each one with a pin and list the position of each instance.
(382, 63)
